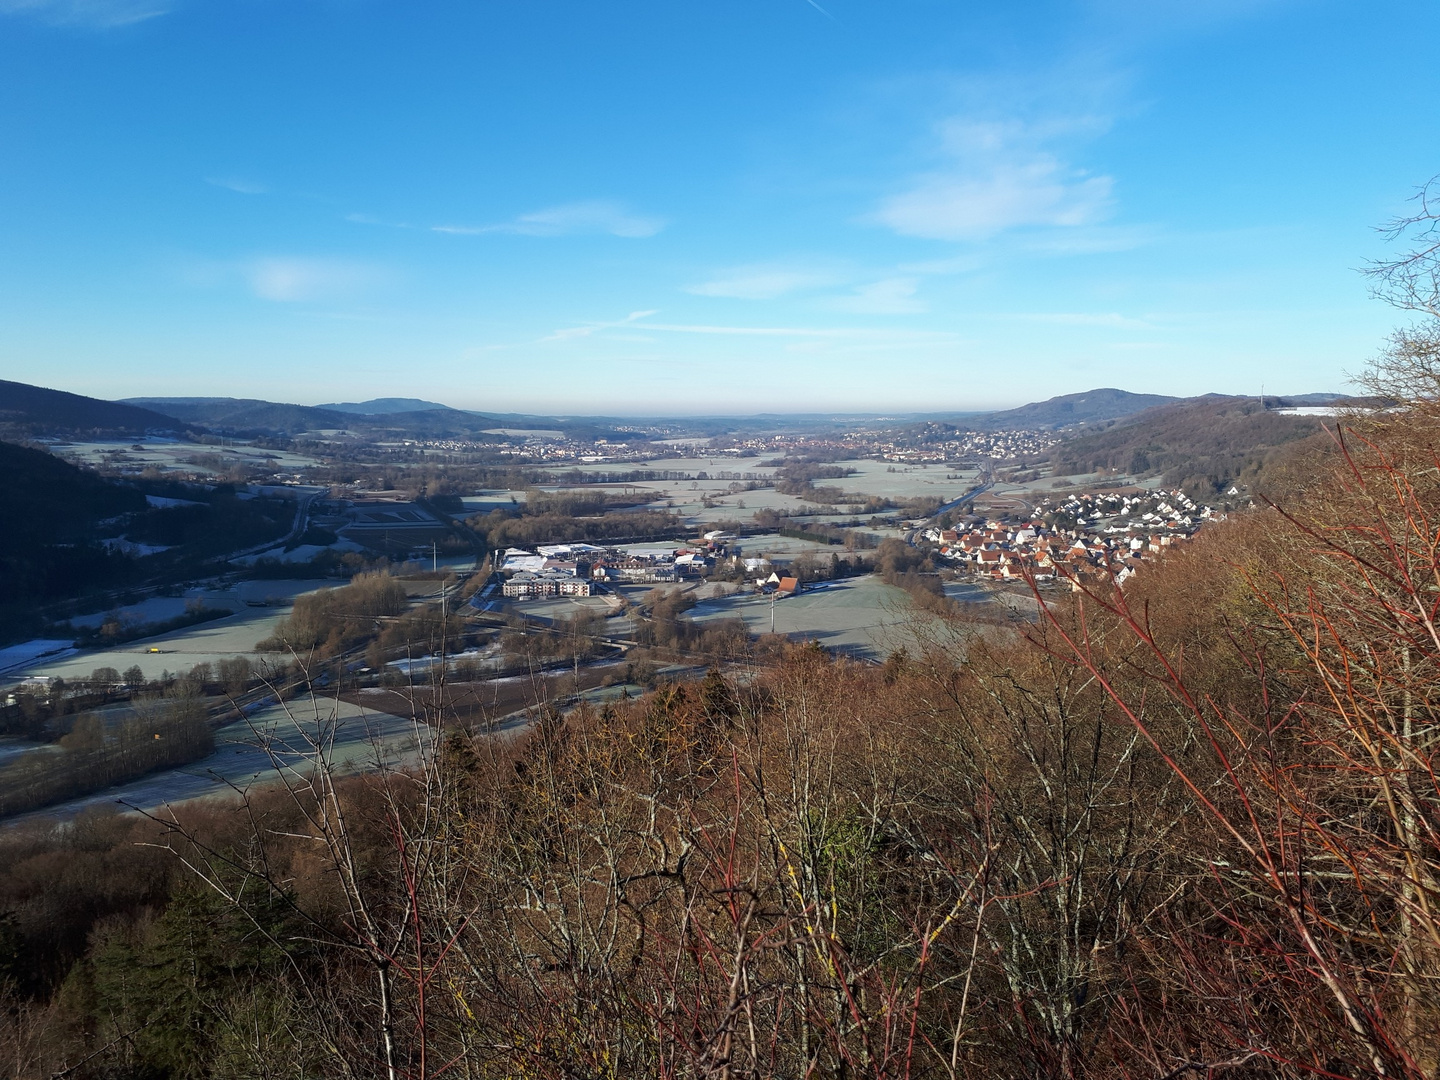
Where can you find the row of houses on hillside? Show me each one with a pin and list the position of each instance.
(1030, 550)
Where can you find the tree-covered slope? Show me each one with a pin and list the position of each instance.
(52, 512)
(50, 501)
(27, 410)
(1092, 406)
(1204, 445)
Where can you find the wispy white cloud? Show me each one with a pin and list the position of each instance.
(596, 216)
(86, 14)
(570, 333)
(891, 296)
(639, 320)
(1092, 240)
(239, 185)
(767, 281)
(959, 264)
(1000, 175)
(285, 278)
(1085, 318)
(793, 331)
(297, 279)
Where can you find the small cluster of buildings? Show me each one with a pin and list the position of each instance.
(1113, 512)
(1088, 535)
(578, 569)
(1017, 552)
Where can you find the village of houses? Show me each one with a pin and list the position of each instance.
(1087, 536)
(935, 444)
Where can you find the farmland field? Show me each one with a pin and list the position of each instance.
(862, 616)
(174, 456)
(685, 497)
(209, 642)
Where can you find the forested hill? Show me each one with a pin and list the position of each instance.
(246, 417)
(52, 501)
(243, 416)
(1090, 407)
(1204, 445)
(52, 509)
(384, 406)
(27, 410)
(239, 415)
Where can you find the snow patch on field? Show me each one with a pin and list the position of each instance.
(27, 652)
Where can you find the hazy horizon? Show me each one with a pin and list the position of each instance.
(659, 209)
(678, 414)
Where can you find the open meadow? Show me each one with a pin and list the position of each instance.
(860, 616)
(169, 455)
(179, 650)
(687, 497)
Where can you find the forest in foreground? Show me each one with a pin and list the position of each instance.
(1190, 828)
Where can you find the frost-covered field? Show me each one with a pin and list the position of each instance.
(863, 616)
(358, 740)
(171, 456)
(181, 650)
(686, 497)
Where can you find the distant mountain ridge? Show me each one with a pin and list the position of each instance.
(385, 405)
(246, 415)
(31, 412)
(27, 411)
(1089, 407)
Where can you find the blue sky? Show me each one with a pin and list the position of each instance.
(680, 207)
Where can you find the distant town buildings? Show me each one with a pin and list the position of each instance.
(574, 569)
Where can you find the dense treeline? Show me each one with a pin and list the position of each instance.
(442, 481)
(502, 528)
(647, 474)
(115, 631)
(28, 412)
(568, 502)
(798, 478)
(329, 620)
(157, 731)
(223, 522)
(661, 623)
